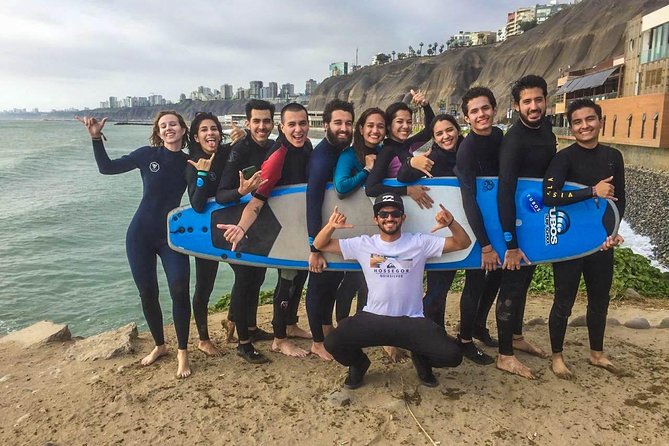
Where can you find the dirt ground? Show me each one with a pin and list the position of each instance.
(47, 398)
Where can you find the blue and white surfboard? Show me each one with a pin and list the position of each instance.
(278, 239)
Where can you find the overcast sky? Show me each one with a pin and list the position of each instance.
(70, 53)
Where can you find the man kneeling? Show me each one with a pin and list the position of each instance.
(393, 265)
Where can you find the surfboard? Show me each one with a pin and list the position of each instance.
(278, 238)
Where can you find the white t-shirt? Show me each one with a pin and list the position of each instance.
(393, 270)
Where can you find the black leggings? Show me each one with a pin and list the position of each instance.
(434, 301)
(287, 295)
(477, 297)
(597, 271)
(244, 298)
(417, 334)
(354, 282)
(320, 300)
(511, 305)
(143, 262)
(205, 276)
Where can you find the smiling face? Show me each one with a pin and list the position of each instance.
(373, 130)
(339, 130)
(171, 132)
(400, 126)
(531, 107)
(208, 136)
(295, 127)
(480, 114)
(445, 134)
(388, 223)
(260, 126)
(585, 125)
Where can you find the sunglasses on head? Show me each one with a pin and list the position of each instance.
(385, 214)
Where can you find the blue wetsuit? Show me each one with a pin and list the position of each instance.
(163, 178)
(322, 287)
(202, 186)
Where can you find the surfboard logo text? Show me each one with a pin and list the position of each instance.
(556, 223)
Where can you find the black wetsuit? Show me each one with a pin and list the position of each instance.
(248, 279)
(202, 186)
(525, 152)
(587, 167)
(285, 164)
(322, 287)
(374, 185)
(477, 156)
(438, 282)
(163, 179)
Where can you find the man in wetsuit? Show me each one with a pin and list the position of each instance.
(393, 264)
(338, 118)
(478, 155)
(287, 163)
(526, 151)
(250, 151)
(601, 169)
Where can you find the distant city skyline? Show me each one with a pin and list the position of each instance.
(79, 53)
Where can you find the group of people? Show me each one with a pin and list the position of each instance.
(393, 310)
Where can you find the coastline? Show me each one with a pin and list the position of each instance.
(51, 398)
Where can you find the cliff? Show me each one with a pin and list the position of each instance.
(580, 36)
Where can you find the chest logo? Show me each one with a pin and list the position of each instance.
(154, 166)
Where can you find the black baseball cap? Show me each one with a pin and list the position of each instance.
(384, 200)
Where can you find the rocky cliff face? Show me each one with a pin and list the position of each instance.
(580, 36)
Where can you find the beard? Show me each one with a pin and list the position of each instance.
(534, 125)
(335, 141)
(394, 231)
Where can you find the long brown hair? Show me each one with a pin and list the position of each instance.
(358, 141)
(155, 138)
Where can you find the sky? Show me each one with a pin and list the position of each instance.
(75, 53)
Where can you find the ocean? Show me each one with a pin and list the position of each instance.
(62, 243)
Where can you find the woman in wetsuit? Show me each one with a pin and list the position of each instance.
(203, 175)
(162, 166)
(396, 149)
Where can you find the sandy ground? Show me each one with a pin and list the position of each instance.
(46, 398)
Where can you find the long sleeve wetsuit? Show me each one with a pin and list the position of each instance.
(588, 167)
(525, 152)
(322, 287)
(477, 156)
(285, 164)
(162, 172)
(248, 279)
(202, 186)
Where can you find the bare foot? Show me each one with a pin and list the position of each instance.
(293, 331)
(229, 327)
(395, 354)
(327, 329)
(599, 359)
(511, 364)
(288, 348)
(183, 370)
(157, 352)
(208, 348)
(317, 348)
(559, 367)
(522, 345)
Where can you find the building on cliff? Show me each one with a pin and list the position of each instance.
(632, 89)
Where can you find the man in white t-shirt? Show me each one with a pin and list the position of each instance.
(393, 265)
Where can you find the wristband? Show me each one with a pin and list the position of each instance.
(243, 230)
(202, 173)
(486, 252)
(594, 191)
